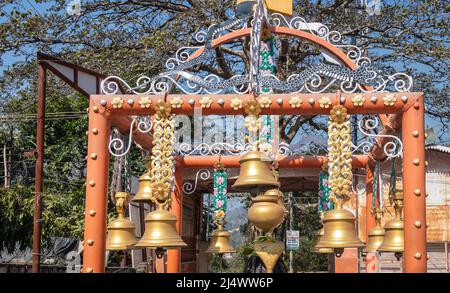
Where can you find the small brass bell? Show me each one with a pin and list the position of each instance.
(265, 212)
(339, 231)
(160, 230)
(121, 232)
(376, 235)
(394, 237)
(255, 173)
(319, 236)
(220, 242)
(144, 193)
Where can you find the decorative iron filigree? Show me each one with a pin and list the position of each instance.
(117, 145)
(189, 188)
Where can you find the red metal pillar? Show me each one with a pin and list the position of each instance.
(96, 190)
(174, 255)
(39, 174)
(413, 136)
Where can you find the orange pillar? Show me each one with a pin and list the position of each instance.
(96, 190)
(174, 255)
(348, 262)
(413, 136)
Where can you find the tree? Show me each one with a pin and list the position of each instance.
(405, 35)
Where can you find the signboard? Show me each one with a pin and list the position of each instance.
(292, 240)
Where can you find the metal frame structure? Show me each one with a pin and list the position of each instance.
(350, 71)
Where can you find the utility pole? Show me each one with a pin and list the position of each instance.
(38, 183)
(5, 166)
(291, 253)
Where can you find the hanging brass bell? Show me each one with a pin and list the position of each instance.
(265, 212)
(339, 231)
(161, 231)
(319, 236)
(144, 193)
(376, 235)
(121, 232)
(394, 238)
(220, 242)
(255, 173)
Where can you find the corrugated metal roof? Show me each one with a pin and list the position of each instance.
(439, 148)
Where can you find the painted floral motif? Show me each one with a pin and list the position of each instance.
(252, 123)
(265, 102)
(205, 102)
(145, 102)
(176, 102)
(325, 203)
(236, 103)
(253, 108)
(389, 100)
(295, 102)
(220, 195)
(358, 100)
(338, 114)
(325, 102)
(162, 108)
(117, 102)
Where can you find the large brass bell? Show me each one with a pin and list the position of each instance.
(319, 235)
(121, 232)
(394, 237)
(144, 193)
(220, 242)
(160, 231)
(255, 173)
(339, 231)
(265, 212)
(376, 235)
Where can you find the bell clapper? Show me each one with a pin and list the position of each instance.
(160, 251)
(338, 252)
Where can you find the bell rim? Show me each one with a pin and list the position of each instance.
(220, 251)
(157, 245)
(121, 247)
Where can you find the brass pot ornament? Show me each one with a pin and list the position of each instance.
(265, 212)
(121, 232)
